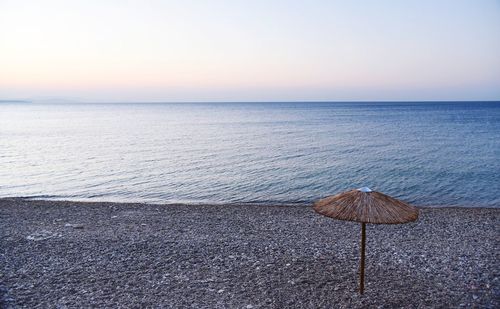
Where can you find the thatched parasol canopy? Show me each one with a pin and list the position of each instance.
(366, 206)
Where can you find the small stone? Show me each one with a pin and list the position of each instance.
(75, 226)
(112, 217)
(220, 291)
(475, 297)
(249, 306)
(41, 235)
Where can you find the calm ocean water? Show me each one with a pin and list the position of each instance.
(424, 153)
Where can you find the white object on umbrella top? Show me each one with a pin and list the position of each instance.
(365, 189)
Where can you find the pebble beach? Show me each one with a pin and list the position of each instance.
(61, 254)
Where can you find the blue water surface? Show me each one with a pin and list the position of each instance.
(426, 153)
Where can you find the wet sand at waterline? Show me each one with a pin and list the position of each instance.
(58, 254)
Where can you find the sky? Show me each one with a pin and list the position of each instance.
(258, 50)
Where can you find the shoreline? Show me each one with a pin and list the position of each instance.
(64, 253)
(215, 204)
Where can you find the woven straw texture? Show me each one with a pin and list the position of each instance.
(369, 207)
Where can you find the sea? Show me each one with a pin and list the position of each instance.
(289, 153)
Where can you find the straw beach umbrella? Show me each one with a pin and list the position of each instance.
(365, 206)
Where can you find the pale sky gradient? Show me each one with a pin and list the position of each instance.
(254, 50)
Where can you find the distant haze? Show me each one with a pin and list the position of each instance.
(259, 50)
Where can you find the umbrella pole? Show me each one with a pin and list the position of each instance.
(362, 266)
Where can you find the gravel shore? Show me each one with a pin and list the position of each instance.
(72, 254)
